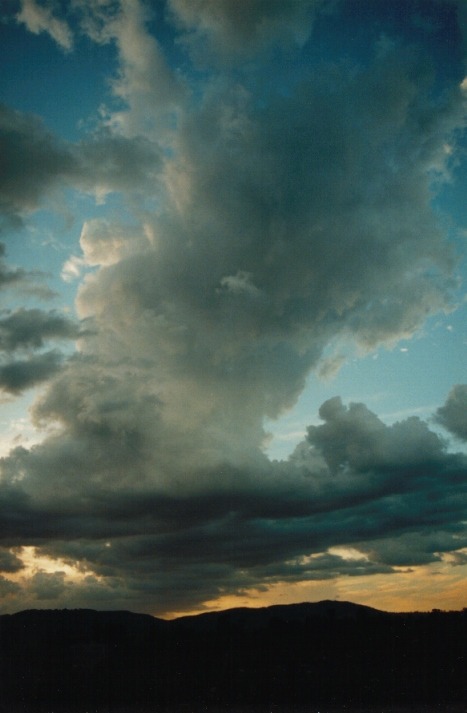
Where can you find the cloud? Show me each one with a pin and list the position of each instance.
(25, 282)
(282, 227)
(147, 88)
(33, 161)
(25, 331)
(46, 586)
(453, 415)
(108, 162)
(72, 268)
(11, 277)
(103, 243)
(106, 243)
(21, 374)
(24, 328)
(39, 18)
(258, 232)
(9, 562)
(391, 497)
(227, 28)
(36, 164)
(355, 438)
(8, 588)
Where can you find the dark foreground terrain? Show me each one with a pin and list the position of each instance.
(285, 658)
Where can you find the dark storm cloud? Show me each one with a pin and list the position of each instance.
(31, 327)
(9, 562)
(415, 548)
(35, 163)
(453, 415)
(8, 588)
(32, 161)
(46, 586)
(21, 374)
(391, 492)
(27, 330)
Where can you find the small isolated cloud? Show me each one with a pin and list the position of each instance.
(240, 284)
(72, 268)
(38, 17)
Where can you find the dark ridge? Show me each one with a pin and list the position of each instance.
(328, 654)
(262, 616)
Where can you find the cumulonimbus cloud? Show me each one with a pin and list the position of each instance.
(263, 230)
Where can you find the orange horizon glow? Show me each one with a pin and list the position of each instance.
(439, 585)
(422, 588)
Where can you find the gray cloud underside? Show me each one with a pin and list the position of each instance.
(394, 493)
(24, 331)
(20, 374)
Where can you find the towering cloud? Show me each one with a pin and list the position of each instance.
(259, 228)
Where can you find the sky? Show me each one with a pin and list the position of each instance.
(233, 319)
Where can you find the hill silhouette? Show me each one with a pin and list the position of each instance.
(327, 653)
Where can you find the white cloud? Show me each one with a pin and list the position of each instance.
(106, 243)
(39, 18)
(72, 268)
(150, 89)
